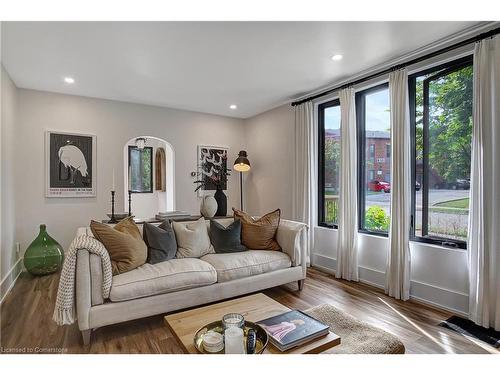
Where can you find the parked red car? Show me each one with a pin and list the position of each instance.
(379, 186)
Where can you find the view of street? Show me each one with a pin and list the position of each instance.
(441, 219)
(435, 196)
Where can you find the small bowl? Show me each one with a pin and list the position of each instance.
(213, 342)
(119, 215)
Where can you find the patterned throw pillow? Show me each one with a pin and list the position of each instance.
(259, 234)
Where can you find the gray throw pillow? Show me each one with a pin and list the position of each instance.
(226, 239)
(161, 242)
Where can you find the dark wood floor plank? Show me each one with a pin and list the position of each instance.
(26, 319)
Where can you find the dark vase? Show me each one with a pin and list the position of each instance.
(221, 199)
(44, 255)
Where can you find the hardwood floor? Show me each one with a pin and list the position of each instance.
(27, 326)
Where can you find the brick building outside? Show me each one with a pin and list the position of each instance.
(377, 154)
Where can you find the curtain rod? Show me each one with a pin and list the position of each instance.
(463, 43)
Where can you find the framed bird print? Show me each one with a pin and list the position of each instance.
(212, 160)
(70, 165)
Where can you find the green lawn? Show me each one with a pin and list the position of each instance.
(462, 203)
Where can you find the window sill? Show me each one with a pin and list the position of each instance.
(460, 246)
(371, 233)
(328, 226)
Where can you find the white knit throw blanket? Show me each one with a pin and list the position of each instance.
(64, 312)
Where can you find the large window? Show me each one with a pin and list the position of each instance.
(441, 117)
(374, 151)
(140, 163)
(329, 162)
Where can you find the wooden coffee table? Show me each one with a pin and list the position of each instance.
(254, 308)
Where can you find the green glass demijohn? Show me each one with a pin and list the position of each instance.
(44, 255)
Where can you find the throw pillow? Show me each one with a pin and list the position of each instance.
(192, 239)
(161, 242)
(226, 239)
(124, 243)
(259, 234)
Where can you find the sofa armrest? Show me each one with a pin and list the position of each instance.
(83, 289)
(292, 237)
(89, 281)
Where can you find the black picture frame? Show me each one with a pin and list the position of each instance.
(70, 160)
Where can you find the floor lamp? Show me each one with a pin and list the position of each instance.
(241, 164)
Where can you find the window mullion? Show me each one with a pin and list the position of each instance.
(425, 165)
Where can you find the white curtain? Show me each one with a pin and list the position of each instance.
(397, 283)
(305, 180)
(484, 216)
(347, 250)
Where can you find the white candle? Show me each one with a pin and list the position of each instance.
(113, 188)
(233, 341)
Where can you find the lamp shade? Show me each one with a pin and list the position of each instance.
(241, 164)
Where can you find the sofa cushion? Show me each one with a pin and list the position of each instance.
(192, 239)
(123, 242)
(233, 266)
(259, 234)
(226, 239)
(164, 277)
(161, 242)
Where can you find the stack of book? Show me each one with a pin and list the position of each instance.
(292, 329)
(172, 215)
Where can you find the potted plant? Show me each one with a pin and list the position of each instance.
(214, 175)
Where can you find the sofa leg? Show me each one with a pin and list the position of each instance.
(86, 336)
(301, 284)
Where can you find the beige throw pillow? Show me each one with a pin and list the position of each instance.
(192, 239)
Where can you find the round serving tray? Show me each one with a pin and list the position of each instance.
(262, 337)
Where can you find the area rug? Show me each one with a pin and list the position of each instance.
(356, 337)
(469, 328)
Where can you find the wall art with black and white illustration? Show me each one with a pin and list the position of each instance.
(212, 159)
(71, 164)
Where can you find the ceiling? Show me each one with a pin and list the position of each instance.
(204, 66)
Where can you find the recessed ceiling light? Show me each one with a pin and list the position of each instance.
(69, 80)
(233, 106)
(337, 57)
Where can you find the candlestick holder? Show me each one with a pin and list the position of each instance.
(130, 203)
(113, 220)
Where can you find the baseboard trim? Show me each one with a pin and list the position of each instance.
(325, 262)
(443, 298)
(10, 279)
(446, 299)
(366, 275)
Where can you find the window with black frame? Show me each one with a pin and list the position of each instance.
(374, 146)
(140, 161)
(329, 162)
(441, 118)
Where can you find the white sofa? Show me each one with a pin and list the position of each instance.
(177, 284)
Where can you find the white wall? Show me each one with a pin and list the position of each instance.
(438, 275)
(9, 265)
(114, 124)
(270, 143)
